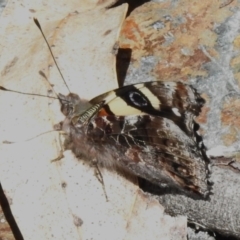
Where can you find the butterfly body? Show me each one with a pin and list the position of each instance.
(147, 129)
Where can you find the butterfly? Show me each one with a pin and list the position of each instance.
(147, 129)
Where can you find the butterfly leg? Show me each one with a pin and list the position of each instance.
(61, 155)
(99, 176)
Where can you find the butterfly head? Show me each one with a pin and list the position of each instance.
(72, 105)
(77, 111)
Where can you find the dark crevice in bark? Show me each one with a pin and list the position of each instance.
(9, 216)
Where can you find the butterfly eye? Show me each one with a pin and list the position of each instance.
(138, 99)
(70, 109)
(67, 109)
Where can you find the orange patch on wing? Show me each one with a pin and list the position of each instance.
(102, 112)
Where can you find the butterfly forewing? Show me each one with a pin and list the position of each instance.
(173, 100)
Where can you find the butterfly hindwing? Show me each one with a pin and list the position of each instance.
(148, 142)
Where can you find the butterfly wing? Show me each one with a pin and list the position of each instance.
(173, 100)
(149, 129)
(153, 148)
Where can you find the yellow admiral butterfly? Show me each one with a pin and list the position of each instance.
(147, 129)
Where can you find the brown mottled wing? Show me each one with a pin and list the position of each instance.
(153, 148)
(156, 138)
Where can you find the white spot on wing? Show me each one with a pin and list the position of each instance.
(120, 108)
(176, 112)
(131, 120)
(151, 97)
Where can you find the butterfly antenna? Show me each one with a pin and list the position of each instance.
(29, 139)
(32, 94)
(45, 77)
(39, 27)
